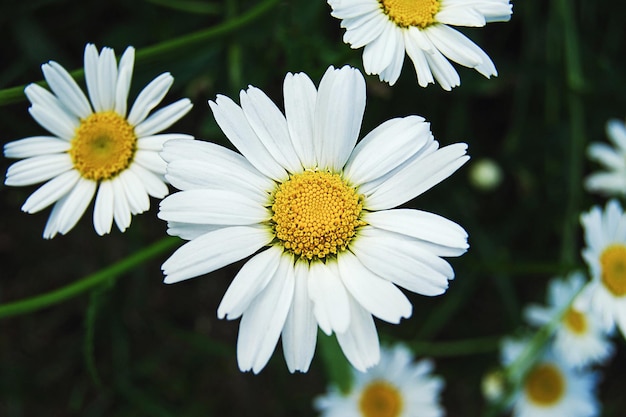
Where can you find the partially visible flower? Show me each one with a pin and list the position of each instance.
(580, 338)
(485, 174)
(420, 28)
(332, 250)
(96, 148)
(551, 388)
(611, 181)
(396, 387)
(605, 254)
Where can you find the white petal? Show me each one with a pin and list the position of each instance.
(75, 204)
(189, 231)
(417, 177)
(163, 118)
(421, 225)
(360, 341)
(338, 115)
(263, 321)
(378, 54)
(398, 260)
(329, 296)
(386, 147)
(103, 208)
(249, 282)
(54, 121)
(91, 75)
(270, 126)
(461, 16)
(149, 98)
(219, 207)
(299, 334)
(66, 89)
(121, 207)
(417, 45)
(151, 161)
(230, 118)
(124, 77)
(51, 191)
(107, 79)
(37, 169)
(363, 29)
(606, 155)
(377, 295)
(392, 72)
(152, 183)
(300, 96)
(35, 146)
(51, 229)
(443, 71)
(214, 250)
(156, 142)
(136, 194)
(616, 131)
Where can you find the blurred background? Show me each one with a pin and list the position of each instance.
(137, 347)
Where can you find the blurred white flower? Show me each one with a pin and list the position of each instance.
(611, 181)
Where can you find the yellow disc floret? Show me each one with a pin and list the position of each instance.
(407, 13)
(613, 265)
(380, 399)
(104, 146)
(545, 384)
(315, 214)
(575, 321)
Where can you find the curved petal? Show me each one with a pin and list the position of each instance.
(378, 54)
(51, 192)
(214, 250)
(377, 295)
(231, 119)
(136, 194)
(153, 184)
(338, 114)
(149, 98)
(91, 75)
(57, 122)
(391, 73)
(163, 118)
(263, 321)
(151, 161)
(616, 131)
(156, 142)
(66, 89)
(39, 96)
(189, 231)
(412, 44)
(299, 335)
(300, 96)
(360, 340)
(251, 279)
(329, 297)
(221, 207)
(125, 75)
(121, 206)
(74, 204)
(37, 169)
(103, 208)
(35, 146)
(363, 29)
(107, 78)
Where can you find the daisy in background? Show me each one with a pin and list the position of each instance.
(332, 250)
(580, 338)
(396, 387)
(605, 254)
(611, 181)
(97, 147)
(387, 29)
(551, 388)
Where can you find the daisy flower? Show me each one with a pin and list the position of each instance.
(612, 181)
(319, 212)
(97, 148)
(396, 387)
(551, 388)
(421, 28)
(580, 338)
(605, 254)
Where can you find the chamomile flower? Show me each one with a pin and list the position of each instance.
(605, 254)
(580, 338)
(611, 181)
(387, 29)
(97, 147)
(396, 387)
(551, 388)
(318, 215)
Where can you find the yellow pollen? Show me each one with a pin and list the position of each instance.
(575, 321)
(407, 13)
(613, 266)
(380, 399)
(545, 385)
(104, 146)
(315, 214)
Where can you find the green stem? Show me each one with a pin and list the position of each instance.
(16, 94)
(38, 302)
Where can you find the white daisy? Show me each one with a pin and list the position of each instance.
(319, 209)
(96, 148)
(580, 339)
(612, 181)
(396, 387)
(551, 388)
(389, 28)
(605, 254)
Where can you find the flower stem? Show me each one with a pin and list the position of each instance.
(16, 94)
(109, 273)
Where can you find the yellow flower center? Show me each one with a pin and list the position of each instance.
(575, 321)
(380, 399)
(316, 214)
(406, 13)
(103, 147)
(545, 385)
(613, 264)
